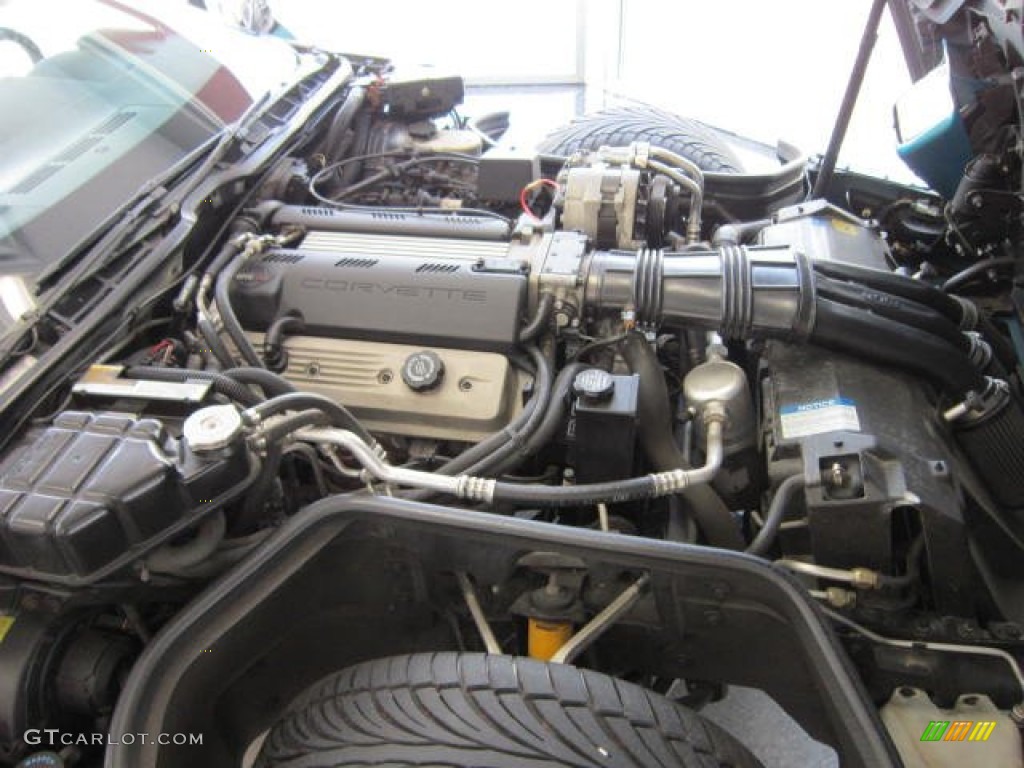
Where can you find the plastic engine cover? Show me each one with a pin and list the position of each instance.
(90, 493)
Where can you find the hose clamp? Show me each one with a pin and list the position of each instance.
(980, 352)
(475, 488)
(969, 313)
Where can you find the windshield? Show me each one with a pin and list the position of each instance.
(94, 106)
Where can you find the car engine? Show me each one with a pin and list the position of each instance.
(402, 308)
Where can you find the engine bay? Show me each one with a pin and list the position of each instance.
(400, 308)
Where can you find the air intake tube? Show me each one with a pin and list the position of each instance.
(773, 292)
(768, 292)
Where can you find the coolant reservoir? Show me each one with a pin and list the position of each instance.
(975, 732)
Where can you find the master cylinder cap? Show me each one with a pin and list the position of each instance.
(212, 428)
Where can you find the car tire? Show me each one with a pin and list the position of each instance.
(470, 709)
(620, 126)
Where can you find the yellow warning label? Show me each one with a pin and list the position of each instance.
(844, 227)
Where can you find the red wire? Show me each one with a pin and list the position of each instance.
(529, 188)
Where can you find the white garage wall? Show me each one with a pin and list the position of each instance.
(767, 70)
(530, 41)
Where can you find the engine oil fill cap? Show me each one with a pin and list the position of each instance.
(422, 371)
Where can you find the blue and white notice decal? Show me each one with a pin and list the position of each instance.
(837, 414)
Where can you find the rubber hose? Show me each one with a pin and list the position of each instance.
(255, 499)
(922, 293)
(884, 341)
(299, 401)
(554, 414)
(898, 285)
(895, 308)
(978, 269)
(171, 558)
(1002, 348)
(513, 452)
(558, 405)
(738, 233)
(532, 330)
(654, 420)
(615, 492)
(221, 384)
(352, 170)
(913, 566)
(224, 256)
(215, 343)
(780, 504)
(293, 422)
(228, 317)
(271, 384)
(275, 334)
(487, 447)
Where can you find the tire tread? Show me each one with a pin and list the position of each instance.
(620, 126)
(458, 710)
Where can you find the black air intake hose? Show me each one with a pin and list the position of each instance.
(896, 308)
(959, 311)
(771, 292)
(885, 341)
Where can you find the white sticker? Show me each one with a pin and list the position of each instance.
(837, 414)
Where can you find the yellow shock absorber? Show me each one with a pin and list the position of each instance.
(545, 637)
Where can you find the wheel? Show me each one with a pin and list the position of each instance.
(468, 709)
(619, 126)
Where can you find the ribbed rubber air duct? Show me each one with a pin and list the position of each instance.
(772, 292)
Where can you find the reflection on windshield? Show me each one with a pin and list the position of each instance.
(94, 119)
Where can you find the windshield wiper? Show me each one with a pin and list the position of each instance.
(119, 223)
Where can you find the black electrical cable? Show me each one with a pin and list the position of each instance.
(780, 504)
(593, 346)
(885, 341)
(220, 383)
(298, 401)
(227, 314)
(979, 269)
(530, 331)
